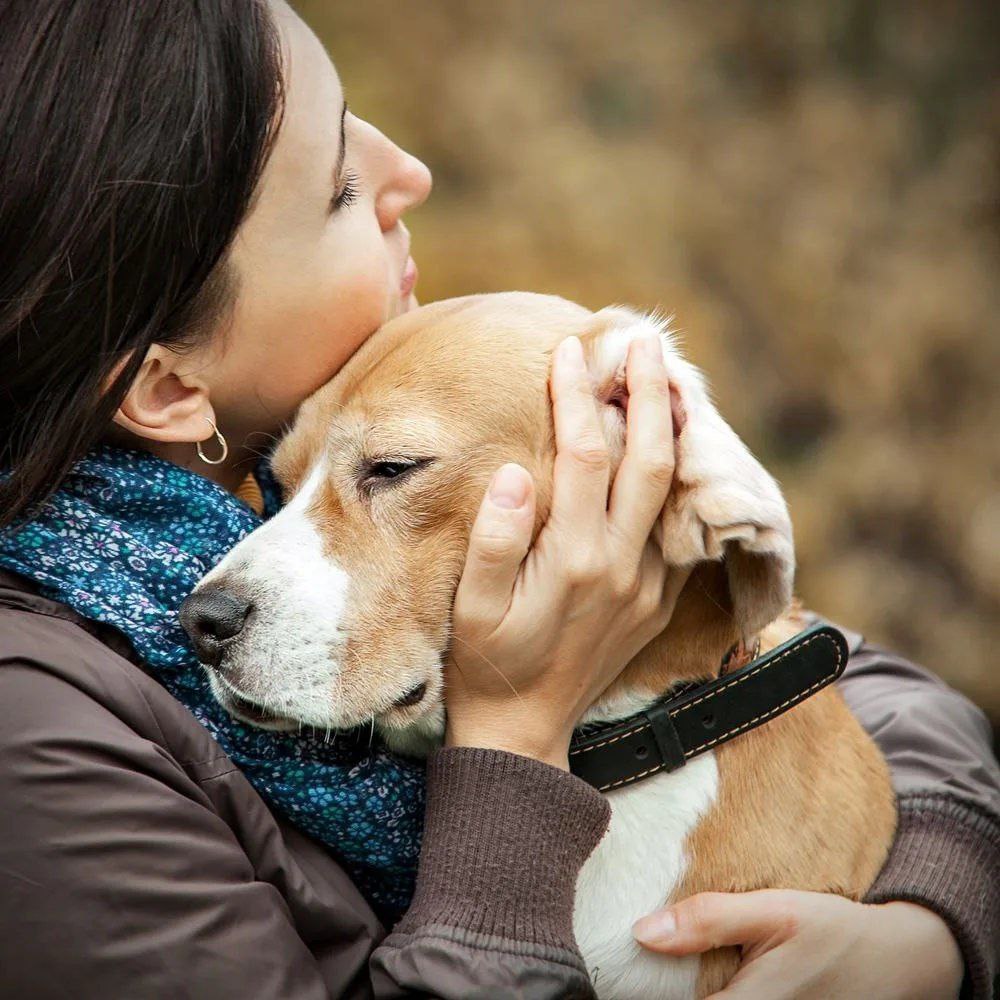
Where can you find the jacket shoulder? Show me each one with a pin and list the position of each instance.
(55, 672)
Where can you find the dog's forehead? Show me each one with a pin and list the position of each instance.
(455, 357)
(464, 340)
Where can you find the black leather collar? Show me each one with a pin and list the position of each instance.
(667, 735)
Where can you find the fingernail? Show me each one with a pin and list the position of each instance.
(572, 351)
(509, 487)
(656, 927)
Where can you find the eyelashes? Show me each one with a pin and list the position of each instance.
(348, 193)
(381, 474)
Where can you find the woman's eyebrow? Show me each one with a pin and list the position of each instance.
(343, 144)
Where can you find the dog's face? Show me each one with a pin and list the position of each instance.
(337, 611)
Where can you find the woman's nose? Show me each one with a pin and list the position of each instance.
(212, 618)
(407, 185)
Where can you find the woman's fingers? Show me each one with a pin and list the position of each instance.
(676, 581)
(798, 945)
(643, 480)
(713, 920)
(659, 587)
(500, 538)
(580, 486)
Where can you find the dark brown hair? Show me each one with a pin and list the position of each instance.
(133, 134)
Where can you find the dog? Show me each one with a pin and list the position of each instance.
(351, 587)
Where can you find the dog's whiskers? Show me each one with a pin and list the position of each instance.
(483, 656)
(701, 586)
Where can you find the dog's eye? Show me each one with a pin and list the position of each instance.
(389, 470)
(386, 471)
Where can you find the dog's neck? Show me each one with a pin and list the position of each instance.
(694, 647)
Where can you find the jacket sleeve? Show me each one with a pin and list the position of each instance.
(946, 854)
(505, 838)
(118, 877)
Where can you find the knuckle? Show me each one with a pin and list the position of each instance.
(493, 549)
(657, 388)
(586, 571)
(584, 575)
(591, 452)
(657, 465)
(695, 914)
(626, 587)
(650, 608)
(787, 919)
(471, 624)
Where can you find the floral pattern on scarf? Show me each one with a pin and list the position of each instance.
(123, 542)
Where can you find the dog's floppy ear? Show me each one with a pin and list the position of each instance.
(724, 504)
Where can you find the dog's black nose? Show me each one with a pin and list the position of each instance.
(211, 618)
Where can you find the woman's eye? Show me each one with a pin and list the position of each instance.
(348, 193)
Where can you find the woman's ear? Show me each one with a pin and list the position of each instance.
(162, 404)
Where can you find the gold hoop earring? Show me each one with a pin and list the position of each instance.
(222, 445)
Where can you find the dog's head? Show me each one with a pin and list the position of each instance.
(337, 610)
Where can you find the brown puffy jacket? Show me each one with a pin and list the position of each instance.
(136, 861)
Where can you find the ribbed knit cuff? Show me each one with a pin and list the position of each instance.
(504, 840)
(946, 857)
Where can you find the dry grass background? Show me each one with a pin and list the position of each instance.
(811, 186)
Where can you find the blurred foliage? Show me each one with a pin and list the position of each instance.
(811, 187)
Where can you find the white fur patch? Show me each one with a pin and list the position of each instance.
(287, 660)
(636, 869)
(727, 506)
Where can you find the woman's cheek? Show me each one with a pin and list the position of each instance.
(331, 332)
(294, 335)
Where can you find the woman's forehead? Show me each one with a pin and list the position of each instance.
(313, 94)
(300, 175)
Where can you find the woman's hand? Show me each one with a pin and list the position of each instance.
(540, 634)
(813, 946)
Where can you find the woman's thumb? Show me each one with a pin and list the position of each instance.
(500, 539)
(709, 920)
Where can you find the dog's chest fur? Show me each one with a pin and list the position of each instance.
(637, 868)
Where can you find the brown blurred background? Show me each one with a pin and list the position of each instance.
(810, 186)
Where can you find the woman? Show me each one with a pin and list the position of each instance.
(196, 235)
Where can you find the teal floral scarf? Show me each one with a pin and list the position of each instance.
(123, 542)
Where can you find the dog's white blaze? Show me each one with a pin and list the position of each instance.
(636, 869)
(282, 568)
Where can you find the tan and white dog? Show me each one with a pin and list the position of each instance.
(350, 590)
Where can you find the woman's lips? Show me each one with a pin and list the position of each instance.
(410, 275)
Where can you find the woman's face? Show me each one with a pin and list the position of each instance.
(322, 260)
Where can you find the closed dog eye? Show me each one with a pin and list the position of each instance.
(383, 473)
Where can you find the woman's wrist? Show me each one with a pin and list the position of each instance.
(511, 734)
(929, 942)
